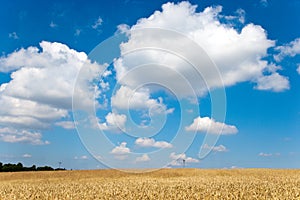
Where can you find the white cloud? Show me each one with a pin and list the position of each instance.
(41, 86)
(240, 16)
(265, 154)
(113, 121)
(174, 156)
(264, 3)
(220, 148)
(298, 69)
(178, 159)
(13, 35)
(125, 98)
(52, 24)
(121, 152)
(27, 113)
(150, 142)
(77, 32)
(124, 28)
(191, 160)
(26, 155)
(66, 124)
(121, 149)
(272, 68)
(97, 23)
(205, 124)
(48, 77)
(7, 156)
(237, 54)
(84, 157)
(21, 136)
(274, 82)
(143, 158)
(268, 154)
(292, 49)
(190, 110)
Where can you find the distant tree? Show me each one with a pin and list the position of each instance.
(33, 168)
(19, 167)
(45, 168)
(60, 169)
(8, 167)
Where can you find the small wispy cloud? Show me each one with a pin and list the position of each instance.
(81, 157)
(66, 124)
(7, 156)
(264, 154)
(220, 148)
(268, 154)
(143, 158)
(189, 110)
(11, 135)
(97, 23)
(288, 50)
(26, 155)
(206, 124)
(240, 16)
(52, 24)
(13, 35)
(264, 3)
(150, 142)
(121, 149)
(77, 32)
(121, 152)
(178, 159)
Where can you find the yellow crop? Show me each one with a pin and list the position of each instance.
(162, 184)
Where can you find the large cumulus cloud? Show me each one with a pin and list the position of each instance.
(238, 54)
(41, 88)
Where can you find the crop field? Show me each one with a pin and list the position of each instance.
(161, 184)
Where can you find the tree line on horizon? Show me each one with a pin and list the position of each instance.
(19, 167)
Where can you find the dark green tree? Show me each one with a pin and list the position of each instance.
(18, 167)
(45, 168)
(33, 168)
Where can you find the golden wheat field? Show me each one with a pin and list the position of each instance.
(161, 184)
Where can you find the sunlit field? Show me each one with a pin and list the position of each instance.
(162, 184)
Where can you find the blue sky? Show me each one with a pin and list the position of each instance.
(152, 107)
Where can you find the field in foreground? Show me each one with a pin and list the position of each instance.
(162, 184)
